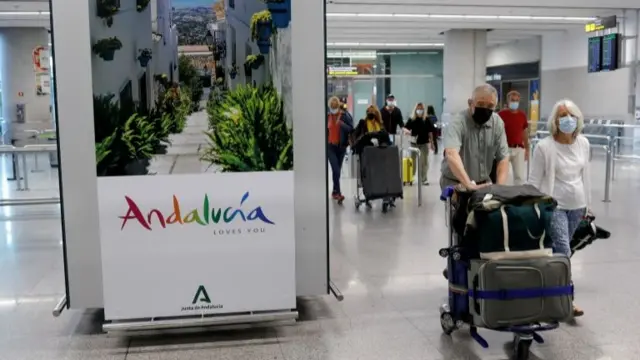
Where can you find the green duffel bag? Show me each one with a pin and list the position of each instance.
(514, 231)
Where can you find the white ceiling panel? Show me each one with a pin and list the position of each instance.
(388, 21)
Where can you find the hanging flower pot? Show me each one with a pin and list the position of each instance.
(255, 61)
(233, 71)
(107, 9)
(247, 69)
(261, 30)
(141, 5)
(144, 57)
(280, 12)
(106, 48)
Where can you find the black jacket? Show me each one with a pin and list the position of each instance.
(392, 119)
(420, 128)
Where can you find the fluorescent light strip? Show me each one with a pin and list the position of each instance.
(461, 16)
(24, 13)
(356, 44)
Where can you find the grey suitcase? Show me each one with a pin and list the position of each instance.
(551, 272)
(380, 172)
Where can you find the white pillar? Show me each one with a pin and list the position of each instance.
(465, 57)
(18, 77)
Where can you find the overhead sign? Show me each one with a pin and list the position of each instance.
(600, 24)
(342, 70)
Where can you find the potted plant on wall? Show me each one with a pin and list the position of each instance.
(141, 5)
(262, 29)
(233, 71)
(280, 12)
(144, 57)
(107, 9)
(106, 48)
(255, 61)
(247, 69)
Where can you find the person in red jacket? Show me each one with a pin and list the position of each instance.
(516, 125)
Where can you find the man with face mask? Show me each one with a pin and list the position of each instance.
(516, 126)
(473, 140)
(391, 116)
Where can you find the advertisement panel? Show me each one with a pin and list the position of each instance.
(197, 244)
(195, 179)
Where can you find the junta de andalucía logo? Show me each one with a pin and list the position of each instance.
(201, 301)
(208, 214)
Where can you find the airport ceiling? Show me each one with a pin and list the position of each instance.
(421, 23)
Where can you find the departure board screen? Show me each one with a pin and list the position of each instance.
(610, 52)
(595, 54)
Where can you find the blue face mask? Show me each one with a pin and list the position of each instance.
(514, 105)
(333, 111)
(567, 124)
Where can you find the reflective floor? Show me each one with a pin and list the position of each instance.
(387, 268)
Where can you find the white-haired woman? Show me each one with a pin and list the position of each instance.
(560, 168)
(420, 127)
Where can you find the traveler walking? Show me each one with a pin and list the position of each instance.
(473, 140)
(420, 128)
(391, 117)
(339, 125)
(431, 114)
(560, 168)
(516, 127)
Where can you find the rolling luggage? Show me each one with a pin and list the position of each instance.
(507, 293)
(407, 171)
(380, 172)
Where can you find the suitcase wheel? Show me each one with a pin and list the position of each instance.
(357, 202)
(521, 347)
(444, 252)
(447, 323)
(385, 207)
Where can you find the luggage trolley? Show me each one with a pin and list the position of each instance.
(456, 313)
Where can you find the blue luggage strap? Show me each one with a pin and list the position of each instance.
(514, 294)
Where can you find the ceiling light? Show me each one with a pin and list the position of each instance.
(412, 15)
(341, 15)
(18, 13)
(356, 44)
(375, 15)
(462, 16)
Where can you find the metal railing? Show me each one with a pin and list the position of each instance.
(19, 155)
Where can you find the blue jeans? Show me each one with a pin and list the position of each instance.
(563, 224)
(335, 154)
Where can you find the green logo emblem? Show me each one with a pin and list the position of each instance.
(201, 296)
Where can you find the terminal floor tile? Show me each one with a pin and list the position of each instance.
(387, 267)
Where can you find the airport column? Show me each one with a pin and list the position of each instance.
(464, 66)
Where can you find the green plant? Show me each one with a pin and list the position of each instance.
(141, 5)
(107, 9)
(103, 150)
(139, 137)
(145, 53)
(254, 61)
(106, 47)
(249, 131)
(261, 17)
(189, 78)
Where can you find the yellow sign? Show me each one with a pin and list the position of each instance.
(593, 27)
(343, 71)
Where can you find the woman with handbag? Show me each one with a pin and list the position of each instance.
(420, 128)
(560, 168)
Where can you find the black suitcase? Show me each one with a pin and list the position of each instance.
(380, 172)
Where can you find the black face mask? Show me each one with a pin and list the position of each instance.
(481, 115)
(370, 116)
